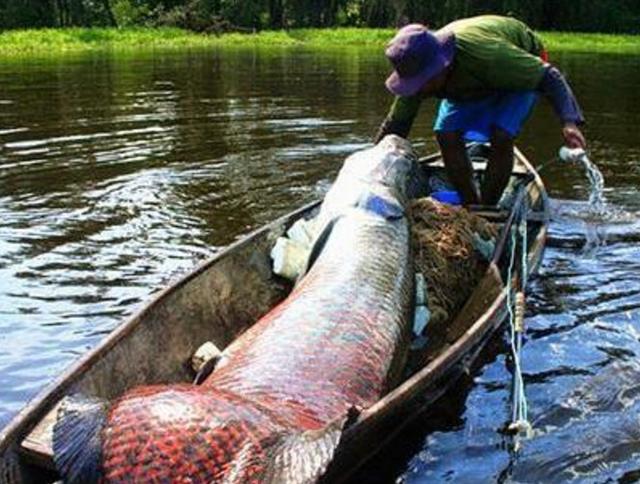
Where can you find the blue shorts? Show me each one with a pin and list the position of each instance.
(475, 119)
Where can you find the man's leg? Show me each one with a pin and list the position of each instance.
(499, 168)
(510, 113)
(457, 165)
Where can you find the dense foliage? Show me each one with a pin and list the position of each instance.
(224, 15)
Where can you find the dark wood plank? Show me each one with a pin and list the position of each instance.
(501, 216)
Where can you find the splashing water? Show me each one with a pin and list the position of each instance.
(597, 201)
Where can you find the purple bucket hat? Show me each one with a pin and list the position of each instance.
(417, 56)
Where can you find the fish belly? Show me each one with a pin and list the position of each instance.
(340, 338)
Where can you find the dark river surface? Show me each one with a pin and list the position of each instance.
(119, 173)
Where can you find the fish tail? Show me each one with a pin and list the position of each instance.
(77, 442)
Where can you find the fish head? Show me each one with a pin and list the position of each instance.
(389, 166)
(399, 166)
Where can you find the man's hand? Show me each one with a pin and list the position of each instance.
(573, 137)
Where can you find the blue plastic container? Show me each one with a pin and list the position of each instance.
(447, 196)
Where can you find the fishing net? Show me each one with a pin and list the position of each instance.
(445, 243)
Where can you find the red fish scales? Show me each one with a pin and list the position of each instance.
(329, 345)
(333, 344)
(187, 432)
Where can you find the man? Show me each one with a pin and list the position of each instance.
(488, 70)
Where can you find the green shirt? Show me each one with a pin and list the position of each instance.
(492, 53)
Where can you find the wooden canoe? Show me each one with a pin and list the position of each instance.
(224, 296)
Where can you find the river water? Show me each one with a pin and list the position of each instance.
(118, 173)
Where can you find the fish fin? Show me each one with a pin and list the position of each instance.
(77, 443)
(304, 457)
(318, 245)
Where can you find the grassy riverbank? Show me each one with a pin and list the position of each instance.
(25, 43)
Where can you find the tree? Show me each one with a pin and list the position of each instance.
(583, 15)
(276, 14)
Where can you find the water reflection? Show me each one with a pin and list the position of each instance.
(118, 173)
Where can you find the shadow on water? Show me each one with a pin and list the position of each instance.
(119, 173)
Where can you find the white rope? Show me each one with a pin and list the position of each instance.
(525, 246)
(520, 424)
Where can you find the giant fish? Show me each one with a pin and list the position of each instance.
(275, 406)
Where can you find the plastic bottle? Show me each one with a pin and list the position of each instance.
(571, 154)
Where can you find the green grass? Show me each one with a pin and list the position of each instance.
(26, 43)
(591, 43)
(57, 41)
